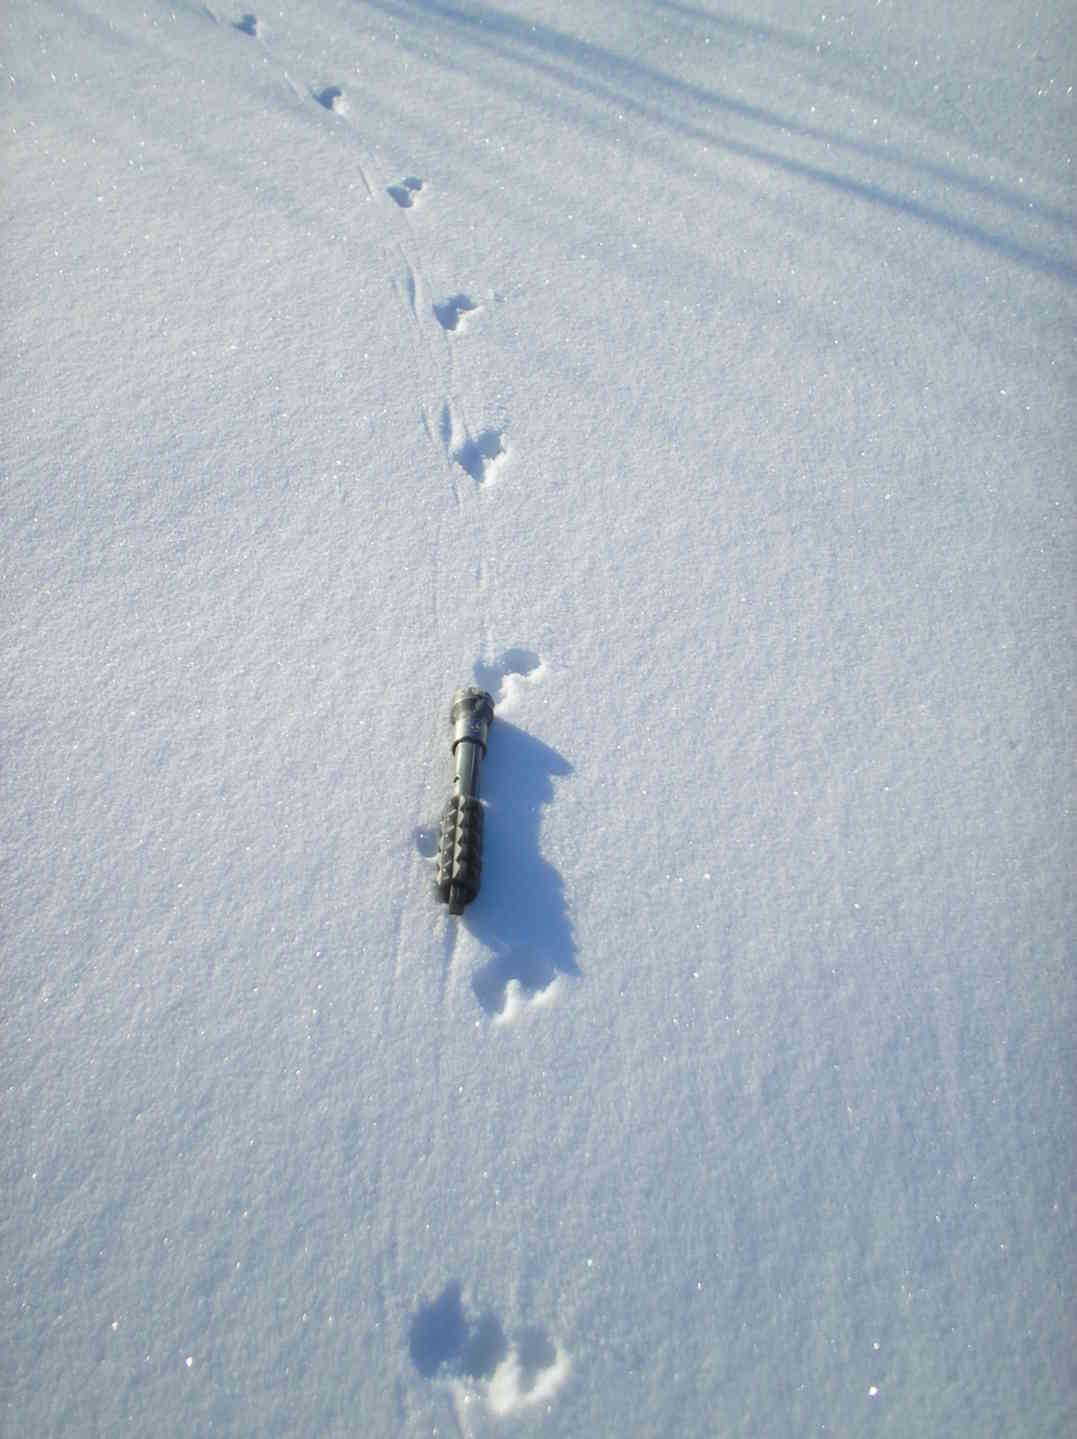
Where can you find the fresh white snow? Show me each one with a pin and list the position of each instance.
(699, 379)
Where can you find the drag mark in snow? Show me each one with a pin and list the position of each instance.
(411, 288)
(451, 313)
(454, 1343)
(446, 431)
(404, 194)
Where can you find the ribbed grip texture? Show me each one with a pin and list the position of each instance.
(460, 851)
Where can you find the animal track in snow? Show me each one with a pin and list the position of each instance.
(533, 1370)
(404, 194)
(482, 457)
(451, 312)
(518, 978)
(452, 1342)
(333, 98)
(249, 25)
(506, 677)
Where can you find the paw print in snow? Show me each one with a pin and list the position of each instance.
(404, 194)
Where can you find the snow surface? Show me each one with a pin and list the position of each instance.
(700, 379)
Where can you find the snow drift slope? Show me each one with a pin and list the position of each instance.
(700, 382)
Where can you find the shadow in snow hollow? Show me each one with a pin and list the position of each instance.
(443, 1334)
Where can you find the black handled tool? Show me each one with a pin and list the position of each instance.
(460, 850)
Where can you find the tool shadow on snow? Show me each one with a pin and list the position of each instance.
(520, 912)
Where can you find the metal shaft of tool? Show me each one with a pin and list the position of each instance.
(459, 866)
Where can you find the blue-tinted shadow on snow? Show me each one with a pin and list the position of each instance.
(599, 77)
(520, 913)
(442, 1333)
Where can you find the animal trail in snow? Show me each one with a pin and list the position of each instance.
(404, 194)
(468, 1349)
(451, 313)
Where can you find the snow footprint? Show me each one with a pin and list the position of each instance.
(482, 456)
(452, 1342)
(333, 98)
(451, 313)
(404, 194)
(509, 676)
